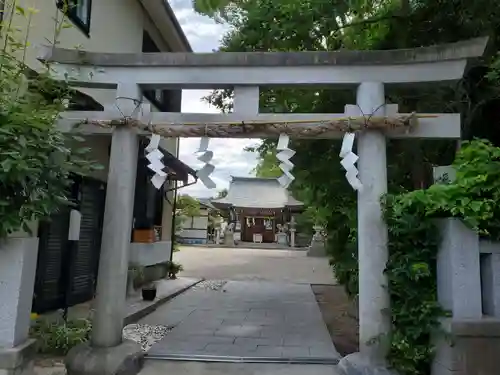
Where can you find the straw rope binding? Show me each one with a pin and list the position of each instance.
(403, 123)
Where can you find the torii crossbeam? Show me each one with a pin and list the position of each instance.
(369, 71)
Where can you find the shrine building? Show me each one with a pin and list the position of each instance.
(262, 206)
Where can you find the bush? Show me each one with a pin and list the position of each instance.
(36, 158)
(172, 269)
(56, 338)
(414, 243)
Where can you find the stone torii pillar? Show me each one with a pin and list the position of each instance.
(372, 238)
(107, 352)
(368, 71)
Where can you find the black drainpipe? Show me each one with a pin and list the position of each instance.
(174, 204)
(172, 232)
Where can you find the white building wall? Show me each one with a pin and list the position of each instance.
(200, 222)
(195, 229)
(116, 26)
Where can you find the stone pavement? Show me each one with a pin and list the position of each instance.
(135, 307)
(245, 319)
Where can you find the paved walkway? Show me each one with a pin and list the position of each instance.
(245, 319)
(197, 368)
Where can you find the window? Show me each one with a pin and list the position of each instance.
(78, 11)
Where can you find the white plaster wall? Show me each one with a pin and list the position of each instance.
(196, 222)
(200, 222)
(148, 254)
(194, 233)
(115, 26)
(187, 223)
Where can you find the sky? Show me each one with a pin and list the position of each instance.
(229, 158)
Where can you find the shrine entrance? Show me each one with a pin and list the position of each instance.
(370, 121)
(263, 211)
(260, 229)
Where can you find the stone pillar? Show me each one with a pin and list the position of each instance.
(372, 232)
(459, 291)
(107, 354)
(217, 236)
(18, 259)
(229, 235)
(490, 277)
(113, 264)
(292, 237)
(458, 270)
(293, 231)
(317, 247)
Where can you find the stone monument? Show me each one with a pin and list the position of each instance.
(318, 243)
(229, 235)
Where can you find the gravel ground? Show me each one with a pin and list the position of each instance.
(237, 264)
(145, 334)
(214, 285)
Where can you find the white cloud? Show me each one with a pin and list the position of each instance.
(230, 159)
(202, 32)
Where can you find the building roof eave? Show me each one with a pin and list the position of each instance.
(163, 17)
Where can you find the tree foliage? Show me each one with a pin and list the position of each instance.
(413, 247)
(36, 159)
(267, 165)
(318, 25)
(188, 206)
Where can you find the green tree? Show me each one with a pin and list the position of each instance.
(36, 159)
(188, 206)
(267, 165)
(318, 25)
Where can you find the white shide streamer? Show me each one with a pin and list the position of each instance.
(206, 157)
(349, 160)
(154, 156)
(284, 155)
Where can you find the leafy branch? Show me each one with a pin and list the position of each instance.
(36, 159)
(414, 244)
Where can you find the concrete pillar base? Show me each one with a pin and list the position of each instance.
(124, 359)
(18, 257)
(18, 360)
(357, 364)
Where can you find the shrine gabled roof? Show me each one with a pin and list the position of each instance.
(252, 192)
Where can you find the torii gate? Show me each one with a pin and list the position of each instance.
(369, 71)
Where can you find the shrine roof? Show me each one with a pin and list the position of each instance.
(252, 192)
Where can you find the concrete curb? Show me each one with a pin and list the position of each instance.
(138, 315)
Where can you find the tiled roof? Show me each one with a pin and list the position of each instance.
(251, 192)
